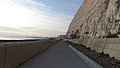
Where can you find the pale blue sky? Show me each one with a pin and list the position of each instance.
(37, 17)
(67, 7)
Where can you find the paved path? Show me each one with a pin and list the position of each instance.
(58, 56)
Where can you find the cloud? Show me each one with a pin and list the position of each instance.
(35, 3)
(31, 4)
(17, 32)
(25, 32)
(15, 16)
(36, 22)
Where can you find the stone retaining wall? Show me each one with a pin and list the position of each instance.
(14, 54)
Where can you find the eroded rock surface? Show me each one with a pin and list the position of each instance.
(96, 19)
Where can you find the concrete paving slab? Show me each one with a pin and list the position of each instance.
(58, 56)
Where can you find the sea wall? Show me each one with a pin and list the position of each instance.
(109, 46)
(14, 54)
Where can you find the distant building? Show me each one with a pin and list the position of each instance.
(61, 37)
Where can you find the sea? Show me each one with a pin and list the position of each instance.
(21, 38)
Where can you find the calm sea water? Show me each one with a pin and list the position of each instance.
(18, 38)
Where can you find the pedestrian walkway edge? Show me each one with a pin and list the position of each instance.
(87, 60)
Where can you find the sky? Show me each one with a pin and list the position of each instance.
(36, 17)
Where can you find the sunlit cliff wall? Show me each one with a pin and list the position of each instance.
(97, 25)
(96, 19)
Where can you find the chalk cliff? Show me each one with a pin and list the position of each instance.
(96, 19)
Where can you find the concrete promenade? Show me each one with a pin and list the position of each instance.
(58, 56)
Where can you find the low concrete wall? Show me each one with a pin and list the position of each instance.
(112, 47)
(87, 60)
(109, 46)
(14, 54)
(2, 56)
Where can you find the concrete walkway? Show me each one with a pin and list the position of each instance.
(58, 56)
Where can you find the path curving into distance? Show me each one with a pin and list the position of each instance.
(58, 56)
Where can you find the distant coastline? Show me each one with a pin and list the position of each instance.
(22, 39)
(15, 40)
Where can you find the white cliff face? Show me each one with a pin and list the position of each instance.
(96, 18)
